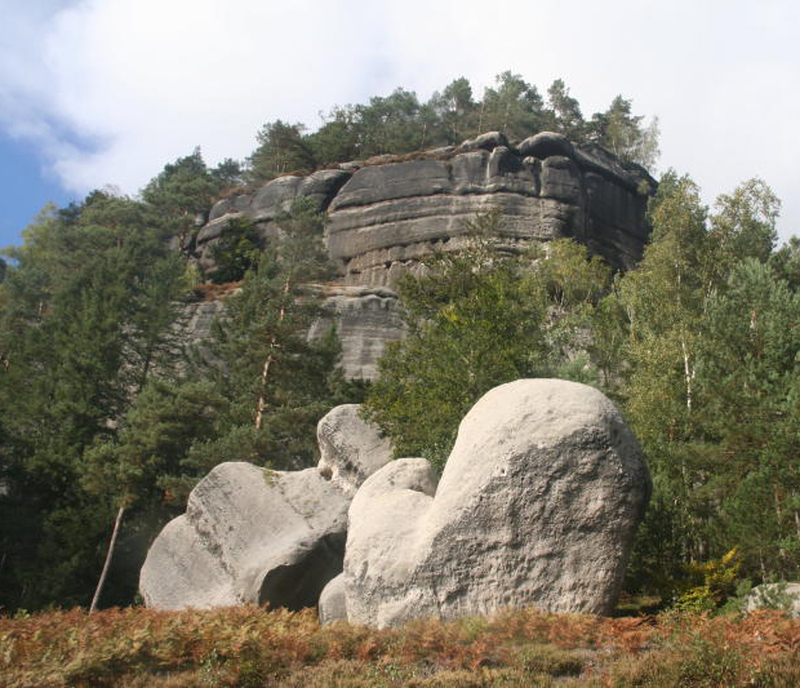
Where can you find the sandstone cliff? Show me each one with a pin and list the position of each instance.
(385, 215)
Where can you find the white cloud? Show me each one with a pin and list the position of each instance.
(110, 90)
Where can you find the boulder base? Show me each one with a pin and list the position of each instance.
(251, 535)
(332, 602)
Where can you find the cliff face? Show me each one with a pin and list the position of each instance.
(386, 215)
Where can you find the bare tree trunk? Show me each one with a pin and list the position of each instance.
(262, 401)
(262, 397)
(688, 375)
(107, 563)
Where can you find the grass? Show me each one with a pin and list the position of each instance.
(250, 646)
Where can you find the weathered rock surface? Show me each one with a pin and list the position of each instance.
(366, 318)
(537, 506)
(383, 218)
(785, 596)
(197, 318)
(251, 535)
(351, 449)
(332, 602)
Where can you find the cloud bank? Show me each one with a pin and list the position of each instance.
(110, 90)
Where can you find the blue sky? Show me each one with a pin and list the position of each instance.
(25, 187)
(105, 92)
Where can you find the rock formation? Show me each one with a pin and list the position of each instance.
(250, 535)
(333, 601)
(537, 506)
(387, 214)
(351, 450)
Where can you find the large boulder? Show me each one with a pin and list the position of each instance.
(537, 506)
(251, 535)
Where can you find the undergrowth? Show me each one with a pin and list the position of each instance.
(250, 646)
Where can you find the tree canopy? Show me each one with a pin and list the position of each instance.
(401, 123)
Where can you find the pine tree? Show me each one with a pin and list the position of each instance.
(77, 344)
(513, 107)
(281, 149)
(478, 318)
(277, 382)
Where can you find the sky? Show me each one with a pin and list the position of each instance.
(97, 93)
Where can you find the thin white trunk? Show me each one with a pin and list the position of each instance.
(262, 396)
(778, 515)
(688, 373)
(107, 563)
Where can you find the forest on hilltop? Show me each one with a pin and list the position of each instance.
(107, 416)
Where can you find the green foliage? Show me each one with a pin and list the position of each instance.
(281, 149)
(237, 251)
(565, 112)
(706, 586)
(163, 424)
(476, 319)
(89, 302)
(622, 133)
(712, 342)
(401, 123)
(179, 198)
(513, 107)
(454, 108)
(276, 382)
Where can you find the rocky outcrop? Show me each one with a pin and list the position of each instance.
(384, 218)
(537, 506)
(366, 318)
(251, 535)
(387, 215)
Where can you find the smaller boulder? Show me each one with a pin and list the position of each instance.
(351, 449)
(785, 596)
(249, 536)
(546, 144)
(332, 602)
(488, 141)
